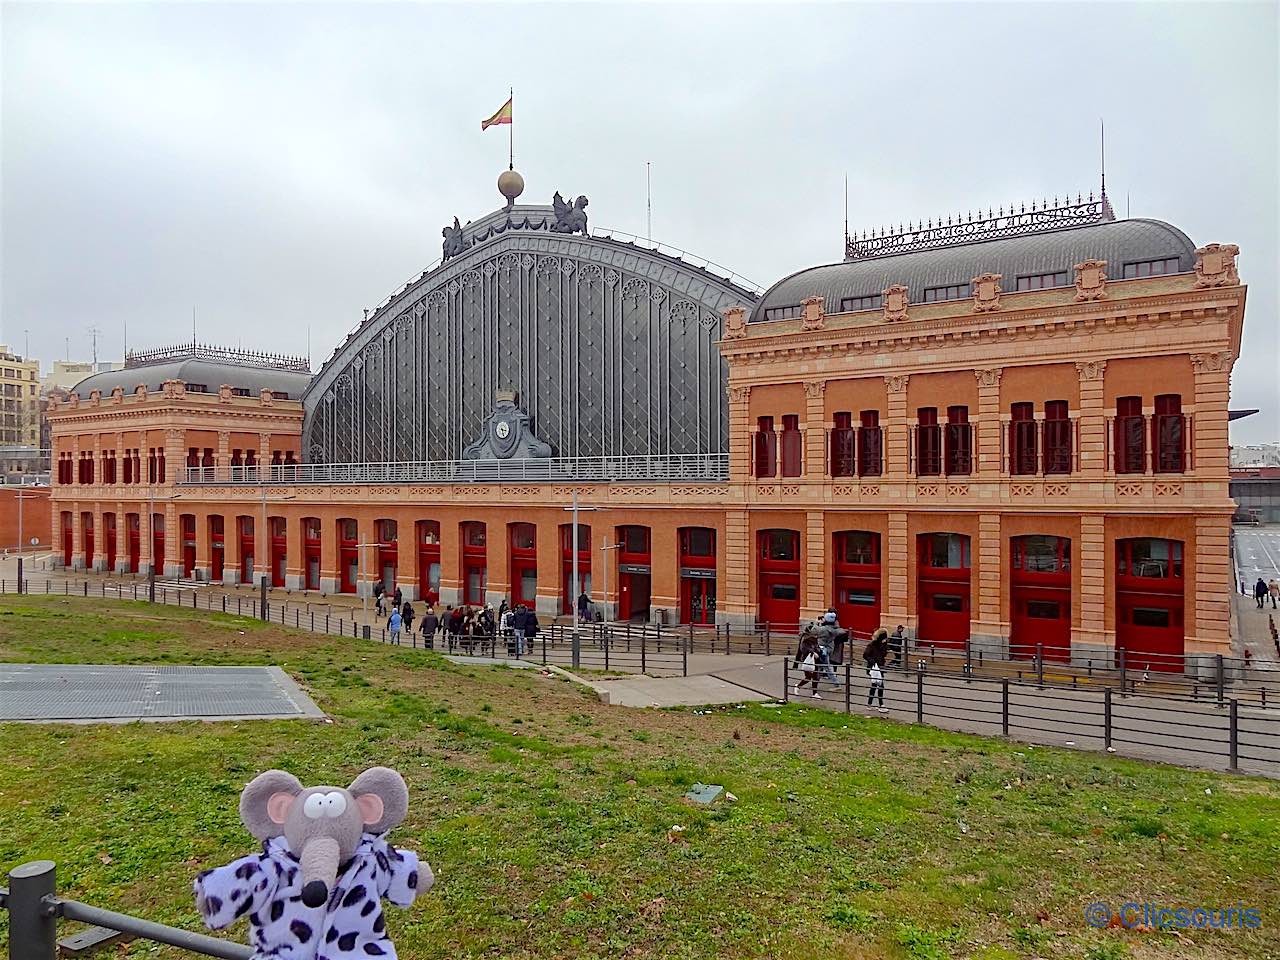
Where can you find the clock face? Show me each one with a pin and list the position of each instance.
(503, 429)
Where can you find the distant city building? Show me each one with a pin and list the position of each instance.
(19, 400)
(1007, 434)
(65, 374)
(1256, 455)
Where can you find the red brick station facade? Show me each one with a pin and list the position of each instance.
(1007, 432)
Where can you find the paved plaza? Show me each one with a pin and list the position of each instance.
(89, 693)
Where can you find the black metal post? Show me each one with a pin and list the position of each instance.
(1040, 665)
(20, 575)
(684, 662)
(786, 691)
(1219, 678)
(1122, 670)
(848, 693)
(151, 582)
(1106, 718)
(968, 660)
(1234, 734)
(643, 643)
(920, 693)
(1004, 705)
(33, 925)
(262, 600)
(767, 643)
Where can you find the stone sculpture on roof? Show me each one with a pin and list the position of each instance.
(453, 244)
(570, 217)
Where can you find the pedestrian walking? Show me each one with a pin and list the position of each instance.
(398, 598)
(876, 690)
(897, 643)
(430, 624)
(584, 603)
(1273, 588)
(519, 623)
(406, 614)
(807, 660)
(378, 591)
(394, 623)
(877, 651)
(1261, 592)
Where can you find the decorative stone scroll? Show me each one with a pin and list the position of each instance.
(1091, 280)
(224, 393)
(1216, 265)
(1212, 362)
(117, 394)
(735, 323)
(1091, 369)
(986, 292)
(815, 389)
(813, 316)
(739, 394)
(896, 301)
(897, 383)
(173, 389)
(988, 377)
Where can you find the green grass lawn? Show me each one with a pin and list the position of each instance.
(546, 814)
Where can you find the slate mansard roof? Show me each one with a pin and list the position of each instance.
(209, 367)
(1118, 242)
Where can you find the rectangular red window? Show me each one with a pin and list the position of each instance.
(1168, 434)
(842, 446)
(1022, 439)
(792, 446)
(765, 449)
(1130, 436)
(1057, 438)
(958, 442)
(928, 443)
(870, 444)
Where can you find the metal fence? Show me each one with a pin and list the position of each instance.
(35, 909)
(1226, 735)
(713, 467)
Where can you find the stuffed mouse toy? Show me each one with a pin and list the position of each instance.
(314, 892)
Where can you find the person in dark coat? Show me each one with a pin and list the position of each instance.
(519, 624)
(584, 603)
(398, 598)
(430, 623)
(1260, 592)
(378, 591)
(406, 614)
(877, 651)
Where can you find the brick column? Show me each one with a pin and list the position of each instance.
(223, 459)
(1092, 639)
(548, 540)
(204, 558)
(1092, 424)
(988, 629)
(99, 535)
(498, 559)
(815, 430)
(1210, 443)
(1214, 582)
(896, 554)
(172, 537)
(77, 536)
(295, 575)
(406, 557)
(989, 425)
(122, 536)
(231, 544)
(814, 556)
(739, 433)
(330, 579)
(175, 457)
(896, 427)
(734, 591)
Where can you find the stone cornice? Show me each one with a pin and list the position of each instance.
(787, 339)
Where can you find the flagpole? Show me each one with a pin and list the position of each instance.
(511, 130)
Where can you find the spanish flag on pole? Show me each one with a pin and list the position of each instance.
(502, 116)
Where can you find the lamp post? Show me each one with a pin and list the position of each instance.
(364, 599)
(605, 547)
(20, 496)
(575, 509)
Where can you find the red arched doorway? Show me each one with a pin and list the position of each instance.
(279, 549)
(429, 561)
(157, 543)
(348, 555)
(109, 542)
(133, 533)
(388, 554)
(217, 548)
(942, 589)
(68, 538)
(522, 545)
(247, 548)
(311, 553)
(856, 570)
(1040, 597)
(475, 562)
(1150, 592)
(697, 575)
(86, 533)
(569, 590)
(778, 554)
(634, 565)
(187, 525)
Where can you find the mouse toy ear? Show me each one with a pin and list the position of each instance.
(265, 802)
(382, 797)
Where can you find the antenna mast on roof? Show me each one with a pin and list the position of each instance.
(846, 211)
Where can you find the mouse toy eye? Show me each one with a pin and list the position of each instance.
(335, 804)
(314, 806)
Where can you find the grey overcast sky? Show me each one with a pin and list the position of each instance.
(282, 167)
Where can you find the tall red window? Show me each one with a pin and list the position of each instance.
(1130, 436)
(1057, 438)
(765, 448)
(870, 444)
(928, 443)
(791, 445)
(842, 446)
(958, 441)
(1022, 439)
(1168, 434)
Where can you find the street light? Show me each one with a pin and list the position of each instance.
(364, 599)
(577, 641)
(19, 496)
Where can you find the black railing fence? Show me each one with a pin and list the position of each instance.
(35, 909)
(1228, 736)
